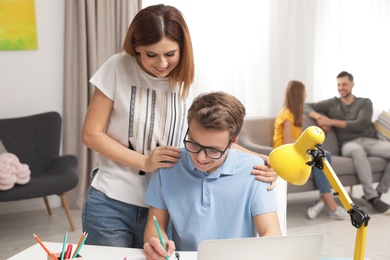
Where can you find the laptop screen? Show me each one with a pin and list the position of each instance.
(294, 247)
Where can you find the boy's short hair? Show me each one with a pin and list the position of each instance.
(219, 111)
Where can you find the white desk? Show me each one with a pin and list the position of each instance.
(88, 252)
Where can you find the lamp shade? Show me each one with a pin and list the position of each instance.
(289, 160)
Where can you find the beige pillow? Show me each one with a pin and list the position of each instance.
(382, 126)
(2, 148)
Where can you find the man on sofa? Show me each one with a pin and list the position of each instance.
(350, 117)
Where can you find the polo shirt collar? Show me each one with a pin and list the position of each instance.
(227, 167)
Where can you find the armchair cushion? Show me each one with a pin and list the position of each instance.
(12, 171)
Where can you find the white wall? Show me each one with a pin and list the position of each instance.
(32, 81)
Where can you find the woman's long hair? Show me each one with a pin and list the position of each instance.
(294, 100)
(151, 25)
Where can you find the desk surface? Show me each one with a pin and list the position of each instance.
(92, 252)
(102, 253)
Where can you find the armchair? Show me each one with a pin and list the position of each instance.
(35, 140)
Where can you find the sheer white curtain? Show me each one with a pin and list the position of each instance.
(229, 41)
(253, 48)
(353, 36)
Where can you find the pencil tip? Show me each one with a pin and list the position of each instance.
(154, 217)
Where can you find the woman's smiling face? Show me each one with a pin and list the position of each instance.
(159, 59)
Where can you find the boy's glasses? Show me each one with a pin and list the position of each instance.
(212, 153)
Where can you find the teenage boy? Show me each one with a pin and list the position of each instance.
(210, 193)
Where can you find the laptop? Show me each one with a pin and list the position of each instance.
(293, 247)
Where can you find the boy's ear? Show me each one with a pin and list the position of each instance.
(235, 140)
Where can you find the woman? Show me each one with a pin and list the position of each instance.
(288, 128)
(136, 122)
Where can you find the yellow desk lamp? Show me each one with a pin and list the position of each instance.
(293, 163)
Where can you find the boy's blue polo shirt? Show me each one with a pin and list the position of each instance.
(215, 206)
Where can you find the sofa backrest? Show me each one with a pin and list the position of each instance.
(330, 144)
(260, 130)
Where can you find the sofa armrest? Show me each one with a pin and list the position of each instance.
(245, 142)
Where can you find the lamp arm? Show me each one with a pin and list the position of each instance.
(359, 218)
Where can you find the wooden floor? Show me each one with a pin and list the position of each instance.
(16, 229)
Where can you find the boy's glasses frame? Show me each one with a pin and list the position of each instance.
(210, 152)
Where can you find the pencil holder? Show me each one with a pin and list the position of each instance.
(58, 255)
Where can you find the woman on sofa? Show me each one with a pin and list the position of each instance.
(288, 128)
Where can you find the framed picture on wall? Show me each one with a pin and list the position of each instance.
(18, 25)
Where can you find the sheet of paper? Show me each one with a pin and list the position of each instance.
(134, 258)
(186, 255)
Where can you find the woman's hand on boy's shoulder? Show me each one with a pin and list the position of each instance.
(265, 173)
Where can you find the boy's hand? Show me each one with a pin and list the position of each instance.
(153, 249)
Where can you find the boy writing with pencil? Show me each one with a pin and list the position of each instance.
(210, 193)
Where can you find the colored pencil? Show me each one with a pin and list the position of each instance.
(79, 246)
(64, 245)
(45, 248)
(159, 235)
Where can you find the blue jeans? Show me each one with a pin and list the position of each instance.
(320, 178)
(110, 222)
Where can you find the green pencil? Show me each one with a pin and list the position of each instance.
(159, 235)
(79, 248)
(64, 245)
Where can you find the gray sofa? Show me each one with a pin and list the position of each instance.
(257, 133)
